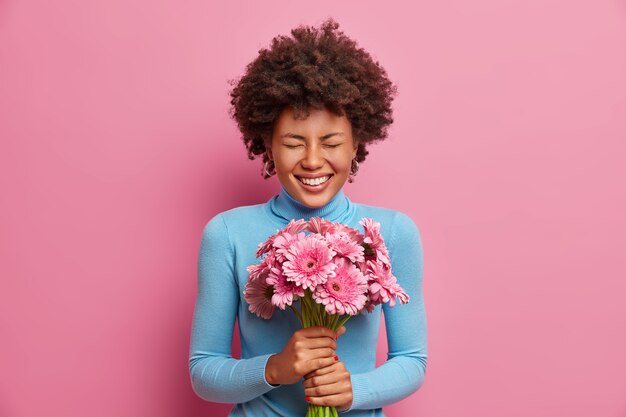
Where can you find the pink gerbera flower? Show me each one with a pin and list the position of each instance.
(383, 286)
(369, 305)
(323, 226)
(259, 271)
(373, 242)
(258, 294)
(271, 260)
(344, 293)
(372, 231)
(267, 245)
(353, 234)
(293, 227)
(344, 246)
(283, 242)
(296, 226)
(383, 256)
(284, 291)
(309, 262)
(319, 225)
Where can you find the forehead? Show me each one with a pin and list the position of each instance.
(318, 120)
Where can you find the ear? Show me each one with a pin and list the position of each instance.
(268, 149)
(356, 148)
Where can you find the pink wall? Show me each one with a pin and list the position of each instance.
(508, 151)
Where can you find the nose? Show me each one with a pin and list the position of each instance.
(313, 159)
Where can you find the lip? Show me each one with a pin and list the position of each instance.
(314, 188)
(313, 176)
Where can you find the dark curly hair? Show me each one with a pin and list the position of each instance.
(319, 68)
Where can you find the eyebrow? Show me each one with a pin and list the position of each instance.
(295, 136)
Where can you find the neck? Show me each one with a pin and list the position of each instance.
(338, 209)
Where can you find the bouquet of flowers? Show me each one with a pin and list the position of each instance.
(331, 270)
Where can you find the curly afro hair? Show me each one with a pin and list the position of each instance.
(319, 68)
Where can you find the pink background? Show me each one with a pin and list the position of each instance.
(508, 151)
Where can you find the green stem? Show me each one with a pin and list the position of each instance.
(306, 319)
(342, 322)
(320, 316)
(297, 314)
(311, 309)
(333, 322)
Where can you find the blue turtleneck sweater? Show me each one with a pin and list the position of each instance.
(228, 246)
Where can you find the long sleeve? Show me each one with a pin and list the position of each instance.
(215, 375)
(403, 372)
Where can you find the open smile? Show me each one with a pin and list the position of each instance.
(314, 182)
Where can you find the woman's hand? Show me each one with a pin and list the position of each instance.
(329, 386)
(306, 351)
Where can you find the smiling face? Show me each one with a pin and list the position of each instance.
(312, 156)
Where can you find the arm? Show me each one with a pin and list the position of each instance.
(215, 375)
(403, 372)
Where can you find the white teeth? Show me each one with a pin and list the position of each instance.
(315, 181)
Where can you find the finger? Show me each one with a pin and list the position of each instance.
(326, 379)
(315, 343)
(318, 331)
(333, 388)
(341, 331)
(336, 400)
(323, 371)
(313, 364)
(318, 353)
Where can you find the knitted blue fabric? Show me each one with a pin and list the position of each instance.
(228, 246)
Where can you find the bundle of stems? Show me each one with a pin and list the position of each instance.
(314, 314)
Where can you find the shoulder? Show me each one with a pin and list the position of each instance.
(396, 227)
(235, 219)
(394, 222)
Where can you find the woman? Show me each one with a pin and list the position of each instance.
(310, 104)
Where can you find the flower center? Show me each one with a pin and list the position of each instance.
(367, 249)
(269, 291)
(335, 286)
(310, 263)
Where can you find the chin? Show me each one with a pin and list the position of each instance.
(312, 202)
(319, 200)
(313, 205)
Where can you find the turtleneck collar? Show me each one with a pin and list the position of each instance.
(339, 209)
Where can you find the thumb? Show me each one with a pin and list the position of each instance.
(341, 331)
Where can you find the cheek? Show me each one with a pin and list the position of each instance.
(284, 162)
(343, 162)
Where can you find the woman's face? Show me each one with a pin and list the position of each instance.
(317, 150)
